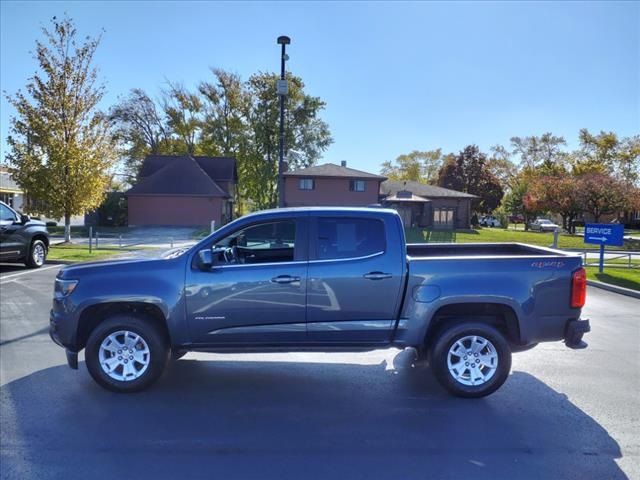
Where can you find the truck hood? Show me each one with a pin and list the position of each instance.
(137, 264)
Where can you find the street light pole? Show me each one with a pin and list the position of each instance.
(282, 89)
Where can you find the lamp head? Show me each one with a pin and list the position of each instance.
(284, 40)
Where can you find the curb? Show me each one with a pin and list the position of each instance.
(613, 288)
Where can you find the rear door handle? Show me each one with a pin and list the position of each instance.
(377, 275)
(282, 279)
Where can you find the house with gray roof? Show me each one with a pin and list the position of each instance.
(418, 204)
(427, 206)
(183, 190)
(331, 185)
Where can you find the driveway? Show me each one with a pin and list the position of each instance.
(160, 237)
(562, 413)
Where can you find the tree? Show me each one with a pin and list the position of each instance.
(305, 133)
(140, 129)
(184, 114)
(603, 195)
(231, 117)
(559, 194)
(419, 166)
(607, 154)
(544, 152)
(517, 201)
(226, 103)
(468, 172)
(61, 149)
(501, 166)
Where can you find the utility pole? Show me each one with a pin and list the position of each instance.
(283, 90)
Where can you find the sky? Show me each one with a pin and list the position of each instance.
(396, 76)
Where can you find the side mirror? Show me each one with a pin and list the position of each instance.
(24, 218)
(205, 259)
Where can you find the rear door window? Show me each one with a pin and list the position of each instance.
(349, 237)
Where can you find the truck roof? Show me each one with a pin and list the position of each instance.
(321, 210)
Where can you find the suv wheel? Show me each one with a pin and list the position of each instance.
(37, 254)
(471, 359)
(126, 353)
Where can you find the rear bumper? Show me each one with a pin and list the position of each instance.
(573, 333)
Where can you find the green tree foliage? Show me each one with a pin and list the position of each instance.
(501, 166)
(605, 153)
(61, 149)
(226, 116)
(468, 172)
(419, 166)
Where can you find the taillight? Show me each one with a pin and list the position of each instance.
(578, 288)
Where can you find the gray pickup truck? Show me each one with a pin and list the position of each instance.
(320, 279)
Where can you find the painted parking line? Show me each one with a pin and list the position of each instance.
(4, 279)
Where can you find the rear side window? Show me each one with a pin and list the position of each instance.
(349, 237)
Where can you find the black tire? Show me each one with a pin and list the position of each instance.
(440, 351)
(34, 259)
(158, 352)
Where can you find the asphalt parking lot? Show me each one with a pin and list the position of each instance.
(562, 413)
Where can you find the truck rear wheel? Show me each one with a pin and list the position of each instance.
(126, 354)
(471, 360)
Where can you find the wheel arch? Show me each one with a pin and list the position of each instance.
(499, 315)
(92, 315)
(42, 237)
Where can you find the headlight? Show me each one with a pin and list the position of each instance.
(64, 287)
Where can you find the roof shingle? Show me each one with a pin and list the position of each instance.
(175, 176)
(392, 187)
(332, 170)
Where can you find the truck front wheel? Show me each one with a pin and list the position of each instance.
(471, 359)
(126, 353)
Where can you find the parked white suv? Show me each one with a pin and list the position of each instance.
(490, 221)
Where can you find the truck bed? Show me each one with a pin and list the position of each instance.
(428, 250)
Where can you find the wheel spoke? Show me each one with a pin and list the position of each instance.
(117, 368)
(114, 338)
(487, 360)
(478, 344)
(111, 363)
(130, 340)
(140, 356)
(477, 368)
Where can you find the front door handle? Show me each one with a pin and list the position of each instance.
(377, 275)
(282, 279)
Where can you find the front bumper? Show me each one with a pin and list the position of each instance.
(573, 333)
(55, 334)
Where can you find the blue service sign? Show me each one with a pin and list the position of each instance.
(604, 234)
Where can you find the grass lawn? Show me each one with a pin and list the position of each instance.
(79, 253)
(622, 277)
(480, 235)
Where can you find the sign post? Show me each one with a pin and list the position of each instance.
(604, 234)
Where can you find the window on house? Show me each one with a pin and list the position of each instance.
(443, 217)
(307, 184)
(356, 185)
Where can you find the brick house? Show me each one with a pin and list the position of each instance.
(423, 205)
(183, 190)
(331, 185)
(417, 203)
